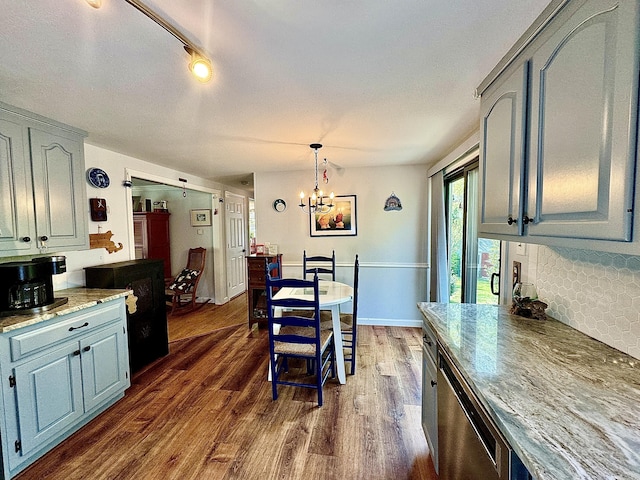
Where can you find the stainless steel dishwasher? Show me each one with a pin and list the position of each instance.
(469, 445)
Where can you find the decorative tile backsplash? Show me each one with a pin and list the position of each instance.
(594, 292)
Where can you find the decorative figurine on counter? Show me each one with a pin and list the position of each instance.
(525, 302)
(529, 308)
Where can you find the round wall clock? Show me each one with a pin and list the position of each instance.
(279, 205)
(98, 178)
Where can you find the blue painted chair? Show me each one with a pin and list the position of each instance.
(319, 264)
(275, 269)
(298, 337)
(348, 322)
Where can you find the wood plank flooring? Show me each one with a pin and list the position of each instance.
(207, 318)
(205, 412)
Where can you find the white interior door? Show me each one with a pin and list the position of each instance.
(236, 247)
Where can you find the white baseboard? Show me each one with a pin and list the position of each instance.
(390, 322)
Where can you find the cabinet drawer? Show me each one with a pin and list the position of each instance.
(27, 343)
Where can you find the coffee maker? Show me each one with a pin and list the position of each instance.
(26, 287)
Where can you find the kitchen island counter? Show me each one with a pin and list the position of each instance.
(568, 405)
(79, 299)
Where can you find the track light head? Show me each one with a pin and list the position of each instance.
(200, 66)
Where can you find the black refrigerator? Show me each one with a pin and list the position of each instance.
(147, 325)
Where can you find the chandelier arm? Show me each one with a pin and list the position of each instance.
(318, 204)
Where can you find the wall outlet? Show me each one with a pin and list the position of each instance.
(517, 269)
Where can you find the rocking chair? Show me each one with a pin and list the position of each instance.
(181, 292)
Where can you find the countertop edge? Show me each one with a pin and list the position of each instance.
(80, 298)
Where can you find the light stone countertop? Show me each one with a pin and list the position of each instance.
(79, 299)
(568, 405)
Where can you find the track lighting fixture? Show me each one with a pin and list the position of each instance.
(199, 65)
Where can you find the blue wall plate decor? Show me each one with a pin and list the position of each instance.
(98, 178)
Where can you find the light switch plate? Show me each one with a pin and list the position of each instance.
(517, 270)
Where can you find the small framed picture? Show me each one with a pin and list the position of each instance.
(201, 217)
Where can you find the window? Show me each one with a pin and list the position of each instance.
(474, 263)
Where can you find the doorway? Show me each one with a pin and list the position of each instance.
(179, 201)
(474, 263)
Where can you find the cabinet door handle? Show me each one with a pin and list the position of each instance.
(76, 353)
(26, 239)
(44, 238)
(526, 220)
(85, 324)
(433, 384)
(511, 220)
(426, 340)
(87, 348)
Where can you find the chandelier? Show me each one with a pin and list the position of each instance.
(318, 202)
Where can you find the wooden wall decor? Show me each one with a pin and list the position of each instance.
(103, 240)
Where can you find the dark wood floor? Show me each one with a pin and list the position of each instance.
(205, 412)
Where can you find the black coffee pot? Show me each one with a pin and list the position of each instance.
(28, 285)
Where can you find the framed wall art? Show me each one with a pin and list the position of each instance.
(200, 217)
(340, 221)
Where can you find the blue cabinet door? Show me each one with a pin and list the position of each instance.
(584, 88)
(49, 396)
(502, 155)
(104, 365)
(17, 227)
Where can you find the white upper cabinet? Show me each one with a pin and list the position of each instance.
(43, 205)
(573, 182)
(57, 164)
(17, 226)
(502, 154)
(584, 107)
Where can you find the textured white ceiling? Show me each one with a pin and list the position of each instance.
(378, 82)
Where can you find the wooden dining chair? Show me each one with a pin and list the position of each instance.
(320, 264)
(298, 337)
(348, 322)
(181, 293)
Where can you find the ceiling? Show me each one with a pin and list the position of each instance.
(377, 82)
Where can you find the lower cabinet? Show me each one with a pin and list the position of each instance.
(56, 376)
(430, 392)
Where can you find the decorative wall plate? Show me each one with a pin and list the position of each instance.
(392, 203)
(98, 178)
(279, 205)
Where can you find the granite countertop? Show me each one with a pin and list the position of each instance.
(79, 299)
(568, 405)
